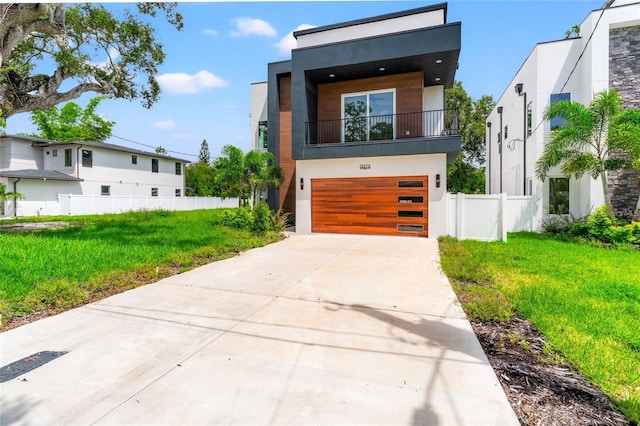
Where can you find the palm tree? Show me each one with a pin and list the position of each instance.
(594, 139)
(5, 196)
(244, 175)
(262, 172)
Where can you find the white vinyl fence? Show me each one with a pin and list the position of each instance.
(72, 204)
(489, 217)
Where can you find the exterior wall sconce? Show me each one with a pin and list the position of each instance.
(438, 180)
(301, 184)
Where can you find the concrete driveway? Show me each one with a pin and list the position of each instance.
(316, 329)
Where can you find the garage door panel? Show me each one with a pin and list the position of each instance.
(379, 205)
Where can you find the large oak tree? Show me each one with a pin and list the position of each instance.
(52, 53)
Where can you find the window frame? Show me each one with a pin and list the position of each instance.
(134, 159)
(68, 157)
(155, 165)
(87, 158)
(557, 122)
(178, 192)
(102, 190)
(263, 131)
(552, 191)
(368, 94)
(178, 168)
(154, 192)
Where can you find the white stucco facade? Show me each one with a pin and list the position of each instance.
(403, 165)
(578, 68)
(258, 111)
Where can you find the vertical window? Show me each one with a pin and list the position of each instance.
(55, 153)
(178, 192)
(529, 118)
(134, 159)
(262, 135)
(67, 157)
(154, 192)
(558, 196)
(154, 165)
(178, 168)
(506, 132)
(87, 158)
(557, 122)
(368, 116)
(105, 190)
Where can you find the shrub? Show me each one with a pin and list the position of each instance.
(554, 224)
(600, 224)
(261, 219)
(279, 220)
(240, 218)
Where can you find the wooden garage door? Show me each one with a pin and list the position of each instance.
(378, 205)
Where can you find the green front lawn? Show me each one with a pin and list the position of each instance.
(53, 270)
(585, 300)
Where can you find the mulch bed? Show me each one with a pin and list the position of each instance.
(541, 393)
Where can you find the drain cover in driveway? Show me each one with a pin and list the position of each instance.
(26, 364)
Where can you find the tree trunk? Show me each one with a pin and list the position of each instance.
(605, 189)
(636, 215)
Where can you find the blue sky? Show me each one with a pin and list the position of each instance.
(226, 46)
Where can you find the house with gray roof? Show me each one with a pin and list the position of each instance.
(41, 169)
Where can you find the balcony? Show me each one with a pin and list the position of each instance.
(390, 127)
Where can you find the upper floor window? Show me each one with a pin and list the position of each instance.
(178, 168)
(134, 159)
(262, 135)
(529, 118)
(67, 157)
(368, 115)
(54, 153)
(87, 158)
(154, 165)
(557, 122)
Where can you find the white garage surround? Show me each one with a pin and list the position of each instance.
(406, 165)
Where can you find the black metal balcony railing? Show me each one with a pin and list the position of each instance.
(424, 124)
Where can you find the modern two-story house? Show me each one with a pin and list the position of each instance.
(41, 169)
(357, 121)
(605, 55)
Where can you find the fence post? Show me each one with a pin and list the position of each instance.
(501, 207)
(459, 215)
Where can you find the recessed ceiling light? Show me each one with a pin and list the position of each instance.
(437, 78)
(381, 69)
(438, 61)
(331, 75)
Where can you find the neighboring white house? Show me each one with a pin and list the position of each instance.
(606, 55)
(41, 169)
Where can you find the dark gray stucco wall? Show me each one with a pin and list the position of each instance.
(624, 75)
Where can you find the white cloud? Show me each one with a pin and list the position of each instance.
(288, 42)
(210, 32)
(166, 124)
(189, 84)
(114, 54)
(253, 26)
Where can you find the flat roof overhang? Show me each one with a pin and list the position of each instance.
(449, 145)
(434, 51)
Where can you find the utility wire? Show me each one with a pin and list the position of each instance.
(606, 5)
(150, 146)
